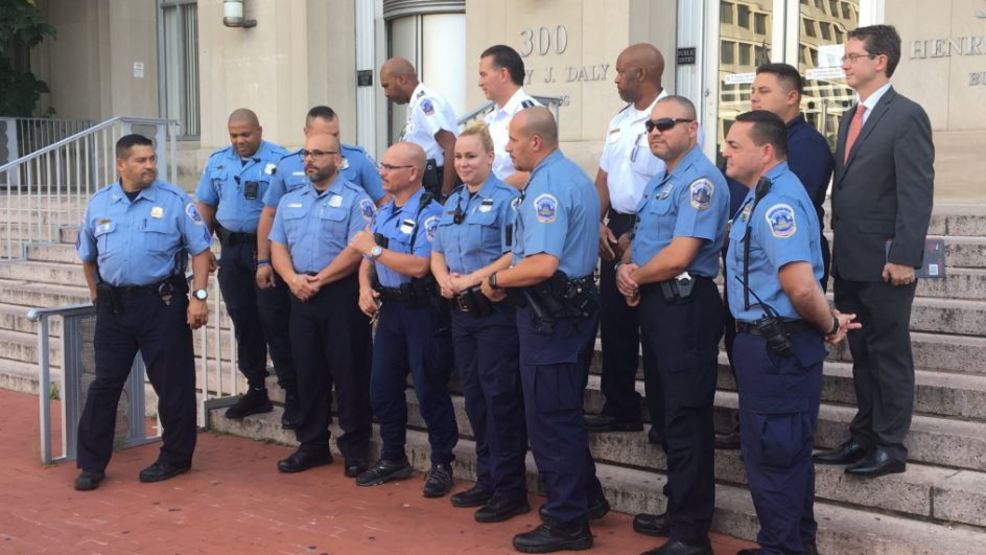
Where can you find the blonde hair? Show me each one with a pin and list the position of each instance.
(481, 131)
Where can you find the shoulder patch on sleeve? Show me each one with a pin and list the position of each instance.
(700, 193)
(367, 209)
(780, 218)
(431, 224)
(193, 214)
(546, 208)
(427, 107)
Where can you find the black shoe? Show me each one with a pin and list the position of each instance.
(652, 525)
(160, 471)
(384, 471)
(87, 481)
(603, 423)
(355, 467)
(472, 497)
(727, 442)
(678, 547)
(876, 464)
(655, 436)
(291, 417)
(498, 509)
(303, 459)
(847, 453)
(597, 510)
(438, 481)
(254, 401)
(551, 537)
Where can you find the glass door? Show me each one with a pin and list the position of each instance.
(808, 34)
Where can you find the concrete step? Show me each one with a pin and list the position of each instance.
(29, 294)
(948, 316)
(842, 529)
(14, 318)
(53, 252)
(937, 393)
(964, 251)
(909, 493)
(958, 219)
(44, 272)
(958, 283)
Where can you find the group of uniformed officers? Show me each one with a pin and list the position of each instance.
(475, 251)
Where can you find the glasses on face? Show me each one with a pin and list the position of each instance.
(851, 58)
(391, 167)
(664, 124)
(317, 153)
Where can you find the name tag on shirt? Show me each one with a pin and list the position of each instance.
(486, 205)
(295, 205)
(407, 226)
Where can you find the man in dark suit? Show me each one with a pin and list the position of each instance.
(881, 205)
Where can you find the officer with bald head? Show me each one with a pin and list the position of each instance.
(230, 198)
(625, 167)
(555, 245)
(413, 324)
(431, 123)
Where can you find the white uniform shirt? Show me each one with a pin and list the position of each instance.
(627, 159)
(498, 122)
(427, 114)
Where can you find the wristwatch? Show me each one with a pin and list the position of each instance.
(835, 326)
(492, 281)
(375, 252)
(200, 294)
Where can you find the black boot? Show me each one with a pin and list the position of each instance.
(554, 536)
(254, 401)
(291, 417)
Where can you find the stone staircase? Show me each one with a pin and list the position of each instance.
(937, 507)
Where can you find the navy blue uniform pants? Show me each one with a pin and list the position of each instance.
(486, 353)
(684, 336)
(620, 337)
(161, 334)
(779, 400)
(331, 340)
(554, 370)
(415, 340)
(260, 316)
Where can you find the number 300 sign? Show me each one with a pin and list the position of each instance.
(543, 40)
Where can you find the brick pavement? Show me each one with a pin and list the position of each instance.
(234, 501)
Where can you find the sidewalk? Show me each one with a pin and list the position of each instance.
(234, 501)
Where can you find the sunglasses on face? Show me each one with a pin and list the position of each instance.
(664, 124)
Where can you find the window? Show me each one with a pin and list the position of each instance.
(743, 16)
(825, 29)
(834, 8)
(760, 23)
(179, 53)
(760, 55)
(809, 28)
(725, 12)
(744, 54)
(726, 55)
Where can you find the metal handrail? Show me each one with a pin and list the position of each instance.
(67, 140)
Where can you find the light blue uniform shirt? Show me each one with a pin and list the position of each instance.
(398, 225)
(691, 201)
(783, 229)
(224, 185)
(558, 214)
(357, 168)
(481, 237)
(316, 227)
(136, 243)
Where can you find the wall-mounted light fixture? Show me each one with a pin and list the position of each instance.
(233, 15)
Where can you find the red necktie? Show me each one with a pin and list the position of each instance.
(854, 127)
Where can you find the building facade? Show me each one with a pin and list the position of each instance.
(177, 59)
